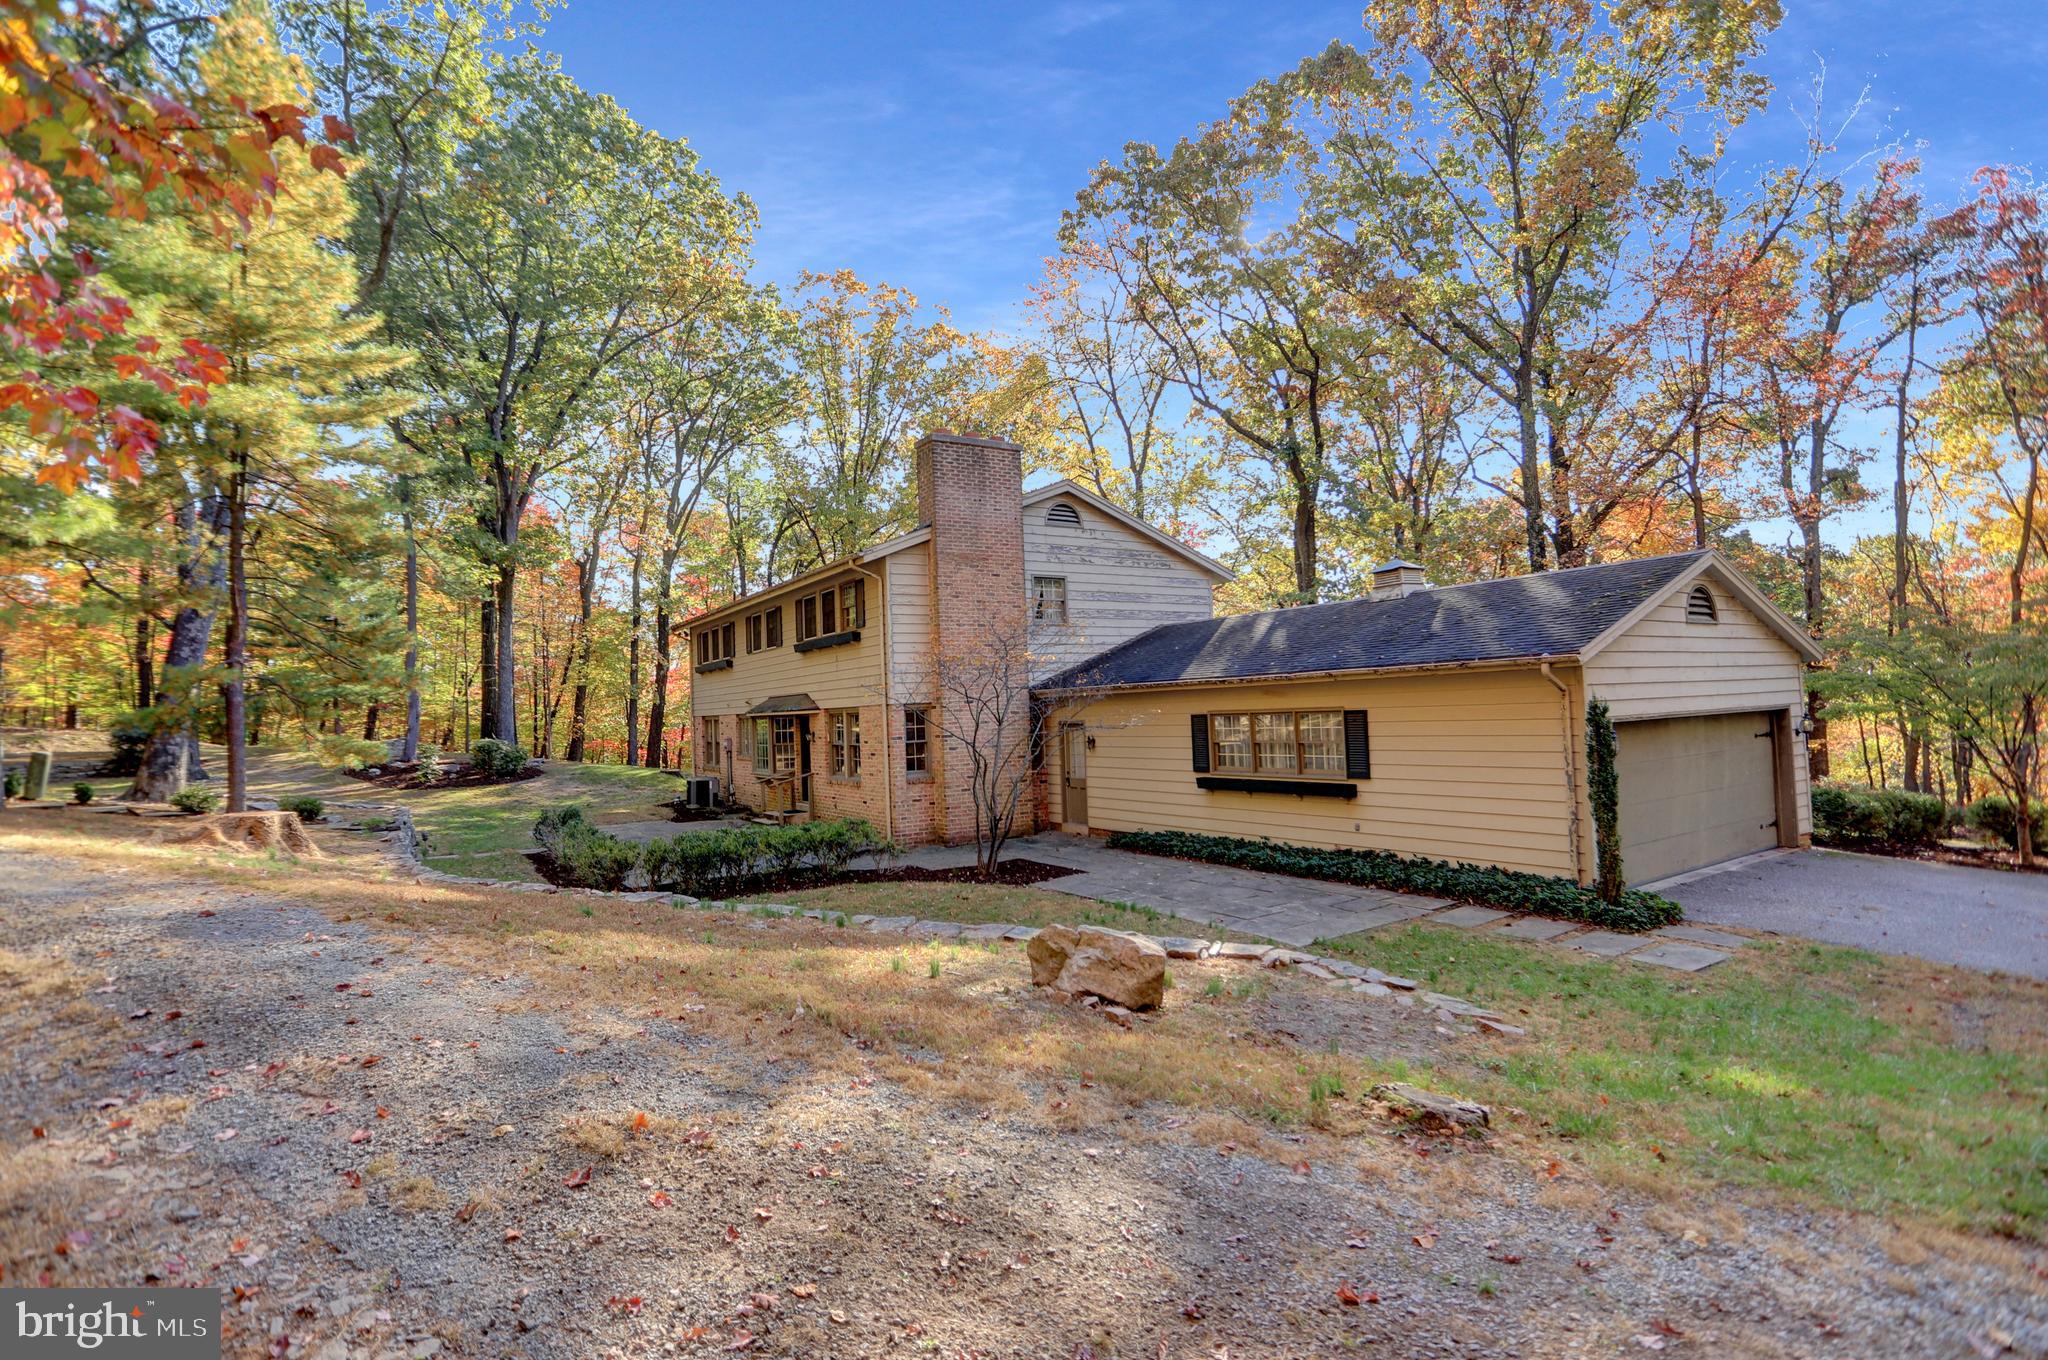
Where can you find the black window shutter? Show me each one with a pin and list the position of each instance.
(1357, 745)
(1198, 724)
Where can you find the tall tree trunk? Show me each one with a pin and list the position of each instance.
(1532, 467)
(370, 716)
(633, 665)
(233, 690)
(487, 671)
(508, 694)
(657, 704)
(145, 663)
(410, 751)
(579, 703)
(171, 756)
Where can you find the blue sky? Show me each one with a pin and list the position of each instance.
(933, 146)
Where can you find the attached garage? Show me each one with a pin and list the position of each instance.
(1451, 722)
(1696, 791)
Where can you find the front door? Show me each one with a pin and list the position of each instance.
(1074, 776)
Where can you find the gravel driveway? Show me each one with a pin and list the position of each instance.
(1980, 918)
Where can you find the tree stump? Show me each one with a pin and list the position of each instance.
(251, 831)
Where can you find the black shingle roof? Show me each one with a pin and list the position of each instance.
(1549, 614)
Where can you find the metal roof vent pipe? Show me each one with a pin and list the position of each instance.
(1391, 580)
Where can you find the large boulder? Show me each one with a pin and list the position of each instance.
(1128, 970)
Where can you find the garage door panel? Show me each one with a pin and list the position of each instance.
(1695, 791)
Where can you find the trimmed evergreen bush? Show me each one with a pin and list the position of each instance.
(128, 738)
(13, 784)
(195, 799)
(81, 793)
(1993, 815)
(498, 759)
(719, 862)
(305, 805)
(1847, 814)
(1507, 889)
(1603, 791)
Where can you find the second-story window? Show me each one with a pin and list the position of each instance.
(764, 629)
(1049, 599)
(715, 644)
(806, 618)
(835, 609)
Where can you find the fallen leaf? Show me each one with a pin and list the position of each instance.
(1348, 1296)
(360, 1136)
(578, 1178)
(225, 1134)
(1424, 1240)
(803, 1291)
(763, 1212)
(513, 1234)
(741, 1341)
(659, 1199)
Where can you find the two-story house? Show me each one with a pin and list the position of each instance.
(818, 694)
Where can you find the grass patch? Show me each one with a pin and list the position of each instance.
(973, 904)
(1878, 1083)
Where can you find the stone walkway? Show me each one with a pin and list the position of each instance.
(1299, 912)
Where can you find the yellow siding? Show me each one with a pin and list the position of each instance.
(1465, 766)
(838, 677)
(1666, 667)
(1119, 584)
(910, 623)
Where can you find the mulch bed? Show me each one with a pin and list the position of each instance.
(690, 814)
(1986, 858)
(1010, 873)
(402, 774)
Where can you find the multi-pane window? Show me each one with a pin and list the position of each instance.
(709, 756)
(782, 744)
(835, 609)
(715, 644)
(764, 629)
(1230, 736)
(916, 742)
(1049, 599)
(763, 747)
(1277, 743)
(846, 743)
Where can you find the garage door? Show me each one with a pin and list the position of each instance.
(1695, 791)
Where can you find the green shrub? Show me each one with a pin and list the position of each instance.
(81, 793)
(430, 770)
(12, 786)
(584, 856)
(722, 861)
(305, 805)
(1603, 791)
(498, 759)
(1488, 886)
(1994, 817)
(1847, 814)
(128, 737)
(195, 799)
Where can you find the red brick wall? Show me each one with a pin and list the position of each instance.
(970, 491)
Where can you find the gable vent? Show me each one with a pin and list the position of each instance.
(1062, 513)
(1699, 606)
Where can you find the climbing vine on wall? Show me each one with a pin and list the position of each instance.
(1603, 787)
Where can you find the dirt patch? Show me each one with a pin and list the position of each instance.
(405, 775)
(412, 1121)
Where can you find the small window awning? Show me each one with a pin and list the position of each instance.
(783, 703)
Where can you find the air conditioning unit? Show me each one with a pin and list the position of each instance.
(701, 791)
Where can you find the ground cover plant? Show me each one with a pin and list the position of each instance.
(1632, 909)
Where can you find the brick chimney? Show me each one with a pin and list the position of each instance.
(971, 492)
